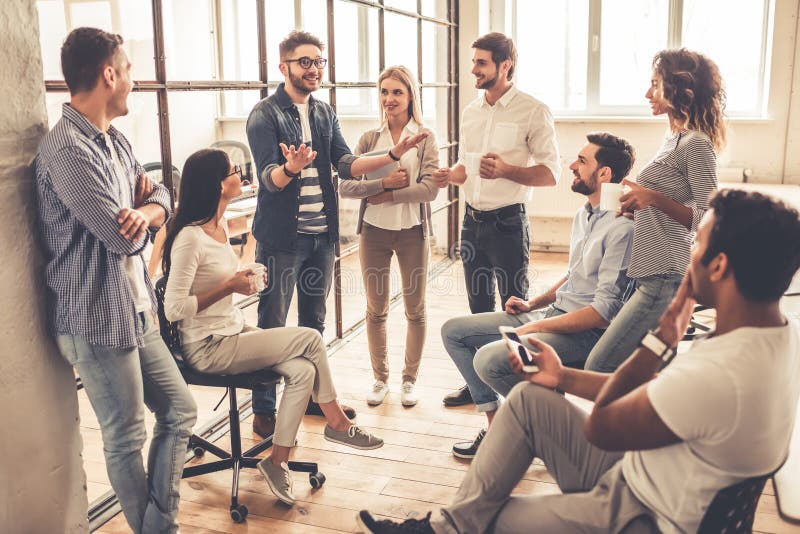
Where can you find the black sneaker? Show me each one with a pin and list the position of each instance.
(460, 397)
(468, 449)
(314, 409)
(370, 525)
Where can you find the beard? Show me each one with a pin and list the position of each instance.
(488, 84)
(586, 187)
(298, 83)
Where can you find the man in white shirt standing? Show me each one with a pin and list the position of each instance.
(659, 443)
(507, 146)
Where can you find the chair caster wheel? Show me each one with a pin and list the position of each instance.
(239, 513)
(198, 452)
(316, 480)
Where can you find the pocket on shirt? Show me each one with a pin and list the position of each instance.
(504, 136)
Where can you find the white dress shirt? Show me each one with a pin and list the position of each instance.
(520, 130)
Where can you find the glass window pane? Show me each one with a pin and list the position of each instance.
(434, 66)
(189, 40)
(134, 23)
(435, 8)
(562, 30)
(239, 103)
(357, 110)
(405, 5)
(730, 33)
(356, 51)
(439, 238)
(401, 41)
(280, 21)
(627, 50)
(315, 21)
(435, 103)
(354, 303)
(239, 42)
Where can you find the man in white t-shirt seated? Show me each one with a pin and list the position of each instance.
(656, 448)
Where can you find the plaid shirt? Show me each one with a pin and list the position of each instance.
(79, 196)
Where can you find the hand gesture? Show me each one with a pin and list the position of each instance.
(441, 177)
(516, 305)
(407, 144)
(240, 282)
(548, 362)
(380, 198)
(142, 191)
(492, 166)
(675, 320)
(297, 158)
(132, 223)
(638, 198)
(396, 180)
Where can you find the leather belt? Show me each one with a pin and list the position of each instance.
(494, 215)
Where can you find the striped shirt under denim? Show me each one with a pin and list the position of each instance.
(79, 198)
(685, 170)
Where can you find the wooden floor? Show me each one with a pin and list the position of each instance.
(413, 473)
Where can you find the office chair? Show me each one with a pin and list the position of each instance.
(235, 459)
(239, 154)
(155, 171)
(733, 509)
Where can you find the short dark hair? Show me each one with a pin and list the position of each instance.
(84, 54)
(297, 38)
(501, 47)
(613, 152)
(761, 238)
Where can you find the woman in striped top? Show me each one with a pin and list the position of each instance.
(669, 197)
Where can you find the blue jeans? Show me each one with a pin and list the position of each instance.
(310, 269)
(473, 341)
(495, 251)
(639, 314)
(118, 383)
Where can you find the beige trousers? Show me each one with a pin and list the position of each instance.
(376, 247)
(296, 353)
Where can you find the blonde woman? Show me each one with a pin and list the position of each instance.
(394, 218)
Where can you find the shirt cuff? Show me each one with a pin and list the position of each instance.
(266, 179)
(343, 166)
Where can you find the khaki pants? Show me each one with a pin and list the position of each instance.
(376, 247)
(296, 353)
(539, 423)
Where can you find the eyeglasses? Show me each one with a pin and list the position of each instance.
(236, 170)
(306, 62)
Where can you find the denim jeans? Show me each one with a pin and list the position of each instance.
(310, 270)
(118, 383)
(495, 250)
(473, 340)
(639, 314)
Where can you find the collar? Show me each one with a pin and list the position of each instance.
(504, 100)
(285, 101)
(593, 210)
(411, 127)
(83, 124)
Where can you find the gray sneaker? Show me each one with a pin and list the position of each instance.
(353, 437)
(279, 480)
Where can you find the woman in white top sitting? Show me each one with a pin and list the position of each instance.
(395, 219)
(201, 267)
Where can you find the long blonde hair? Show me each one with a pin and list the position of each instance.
(404, 75)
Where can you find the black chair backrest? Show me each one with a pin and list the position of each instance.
(169, 331)
(733, 509)
(239, 153)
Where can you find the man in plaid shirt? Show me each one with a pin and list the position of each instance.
(96, 208)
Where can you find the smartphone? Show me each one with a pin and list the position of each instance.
(515, 345)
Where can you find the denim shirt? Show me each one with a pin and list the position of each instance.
(275, 120)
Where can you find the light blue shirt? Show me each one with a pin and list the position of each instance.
(599, 253)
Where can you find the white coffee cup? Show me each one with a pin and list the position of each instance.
(258, 280)
(609, 196)
(472, 163)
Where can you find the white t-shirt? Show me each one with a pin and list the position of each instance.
(201, 263)
(732, 401)
(397, 215)
(134, 265)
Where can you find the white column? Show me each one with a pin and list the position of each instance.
(43, 483)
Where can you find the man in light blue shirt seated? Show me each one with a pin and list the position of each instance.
(573, 314)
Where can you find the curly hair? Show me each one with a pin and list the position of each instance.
(693, 88)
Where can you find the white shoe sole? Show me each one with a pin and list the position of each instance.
(373, 402)
(284, 500)
(463, 456)
(378, 446)
(409, 404)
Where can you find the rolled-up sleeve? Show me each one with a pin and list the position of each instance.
(160, 196)
(542, 140)
(612, 279)
(701, 173)
(185, 258)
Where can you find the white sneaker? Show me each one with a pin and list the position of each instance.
(407, 395)
(378, 393)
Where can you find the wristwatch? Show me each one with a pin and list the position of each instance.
(653, 343)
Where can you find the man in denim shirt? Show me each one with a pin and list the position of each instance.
(296, 141)
(95, 205)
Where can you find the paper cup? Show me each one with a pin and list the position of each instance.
(609, 196)
(258, 280)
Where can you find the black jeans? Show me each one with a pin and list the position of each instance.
(495, 250)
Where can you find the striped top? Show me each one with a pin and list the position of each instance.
(311, 217)
(684, 169)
